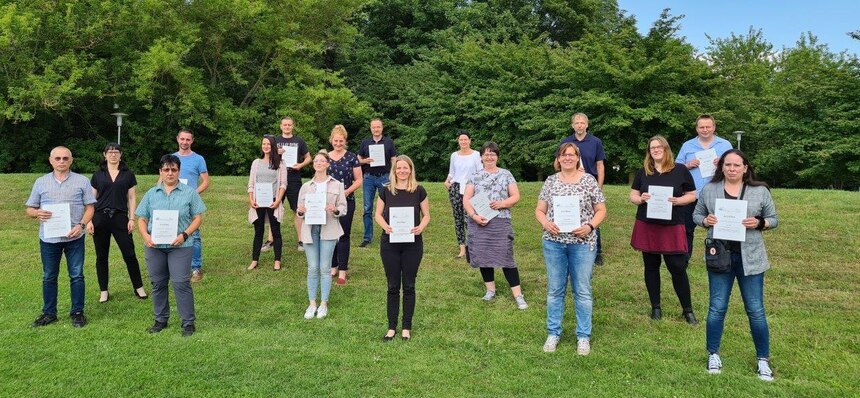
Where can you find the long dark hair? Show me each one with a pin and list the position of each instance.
(112, 146)
(748, 177)
(274, 158)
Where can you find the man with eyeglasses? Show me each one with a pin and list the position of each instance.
(194, 174)
(591, 156)
(63, 202)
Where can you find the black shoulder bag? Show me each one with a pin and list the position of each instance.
(718, 258)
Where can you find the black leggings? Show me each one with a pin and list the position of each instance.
(340, 257)
(106, 226)
(259, 227)
(401, 262)
(511, 274)
(677, 265)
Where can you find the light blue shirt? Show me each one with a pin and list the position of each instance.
(688, 153)
(74, 190)
(183, 198)
(191, 167)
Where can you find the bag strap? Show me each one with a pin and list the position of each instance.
(743, 189)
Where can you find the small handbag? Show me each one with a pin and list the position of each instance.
(717, 255)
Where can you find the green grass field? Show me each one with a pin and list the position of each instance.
(253, 341)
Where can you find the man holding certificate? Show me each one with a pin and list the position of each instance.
(755, 212)
(63, 202)
(167, 215)
(266, 186)
(661, 189)
(295, 156)
(700, 155)
(570, 208)
(403, 212)
(376, 156)
(490, 195)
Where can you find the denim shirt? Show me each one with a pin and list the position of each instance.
(183, 198)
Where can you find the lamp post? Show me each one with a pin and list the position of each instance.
(119, 116)
(739, 134)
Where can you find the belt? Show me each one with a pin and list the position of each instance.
(111, 212)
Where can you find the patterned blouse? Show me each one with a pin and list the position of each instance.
(341, 170)
(590, 195)
(495, 185)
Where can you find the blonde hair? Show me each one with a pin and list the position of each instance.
(338, 130)
(323, 153)
(411, 182)
(561, 150)
(668, 162)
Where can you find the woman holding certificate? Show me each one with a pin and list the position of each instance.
(734, 187)
(660, 190)
(166, 216)
(463, 164)
(113, 185)
(403, 212)
(266, 186)
(344, 167)
(490, 194)
(570, 207)
(321, 202)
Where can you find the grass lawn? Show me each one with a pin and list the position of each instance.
(253, 341)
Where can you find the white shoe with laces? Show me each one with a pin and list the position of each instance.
(551, 343)
(521, 302)
(715, 365)
(583, 347)
(764, 371)
(489, 295)
(309, 313)
(322, 311)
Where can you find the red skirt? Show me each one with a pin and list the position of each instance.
(659, 238)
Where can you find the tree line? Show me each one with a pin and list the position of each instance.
(511, 71)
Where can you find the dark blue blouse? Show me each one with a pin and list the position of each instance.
(341, 170)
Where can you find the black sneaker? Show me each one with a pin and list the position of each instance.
(157, 327)
(79, 320)
(188, 330)
(598, 261)
(44, 319)
(364, 243)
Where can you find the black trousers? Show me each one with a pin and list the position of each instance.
(260, 226)
(677, 265)
(690, 226)
(106, 226)
(401, 262)
(340, 257)
(511, 274)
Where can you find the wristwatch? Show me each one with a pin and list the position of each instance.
(184, 235)
(82, 225)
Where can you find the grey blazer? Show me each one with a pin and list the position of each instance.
(759, 203)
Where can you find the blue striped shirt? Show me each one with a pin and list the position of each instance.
(183, 198)
(74, 190)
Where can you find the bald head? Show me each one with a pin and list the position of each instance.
(60, 159)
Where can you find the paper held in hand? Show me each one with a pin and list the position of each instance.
(730, 214)
(481, 203)
(165, 226)
(706, 162)
(377, 153)
(566, 211)
(315, 208)
(264, 194)
(60, 223)
(401, 220)
(290, 155)
(659, 207)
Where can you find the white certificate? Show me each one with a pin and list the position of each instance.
(264, 194)
(315, 208)
(377, 153)
(184, 181)
(165, 226)
(401, 220)
(659, 207)
(481, 204)
(730, 213)
(706, 162)
(565, 210)
(463, 188)
(60, 223)
(290, 155)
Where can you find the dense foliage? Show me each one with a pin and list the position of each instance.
(512, 71)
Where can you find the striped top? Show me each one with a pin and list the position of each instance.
(74, 190)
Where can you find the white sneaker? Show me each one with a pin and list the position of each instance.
(322, 311)
(309, 313)
(267, 245)
(764, 371)
(300, 247)
(715, 365)
(550, 344)
(583, 347)
(521, 302)
(489, 295)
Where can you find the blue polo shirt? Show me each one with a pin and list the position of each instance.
(183, 198)
(74, 190)
(192, 167)
(688, 153)
(590, 149)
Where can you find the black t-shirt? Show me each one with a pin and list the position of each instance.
(681, 181)
(296, 141)
(113, 194)
(390, 152)
(403, 198)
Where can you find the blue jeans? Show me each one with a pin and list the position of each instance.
(197, 256)
(752, 292)
(565, 261)
(319, 254)
(369, 187)
(51, 254)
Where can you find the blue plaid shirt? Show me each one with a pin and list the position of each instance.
(183, 198)
(74, 190)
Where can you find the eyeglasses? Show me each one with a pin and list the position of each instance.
(568, 155)
(490, 155)
(169, 170)
(654, 148)
(320, 160)
(113, 152)
(61, 158)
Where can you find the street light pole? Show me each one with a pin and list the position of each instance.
(119, 116)
(739, 134)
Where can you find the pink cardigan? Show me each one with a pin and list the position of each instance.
(334, 196)
(282, 183)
